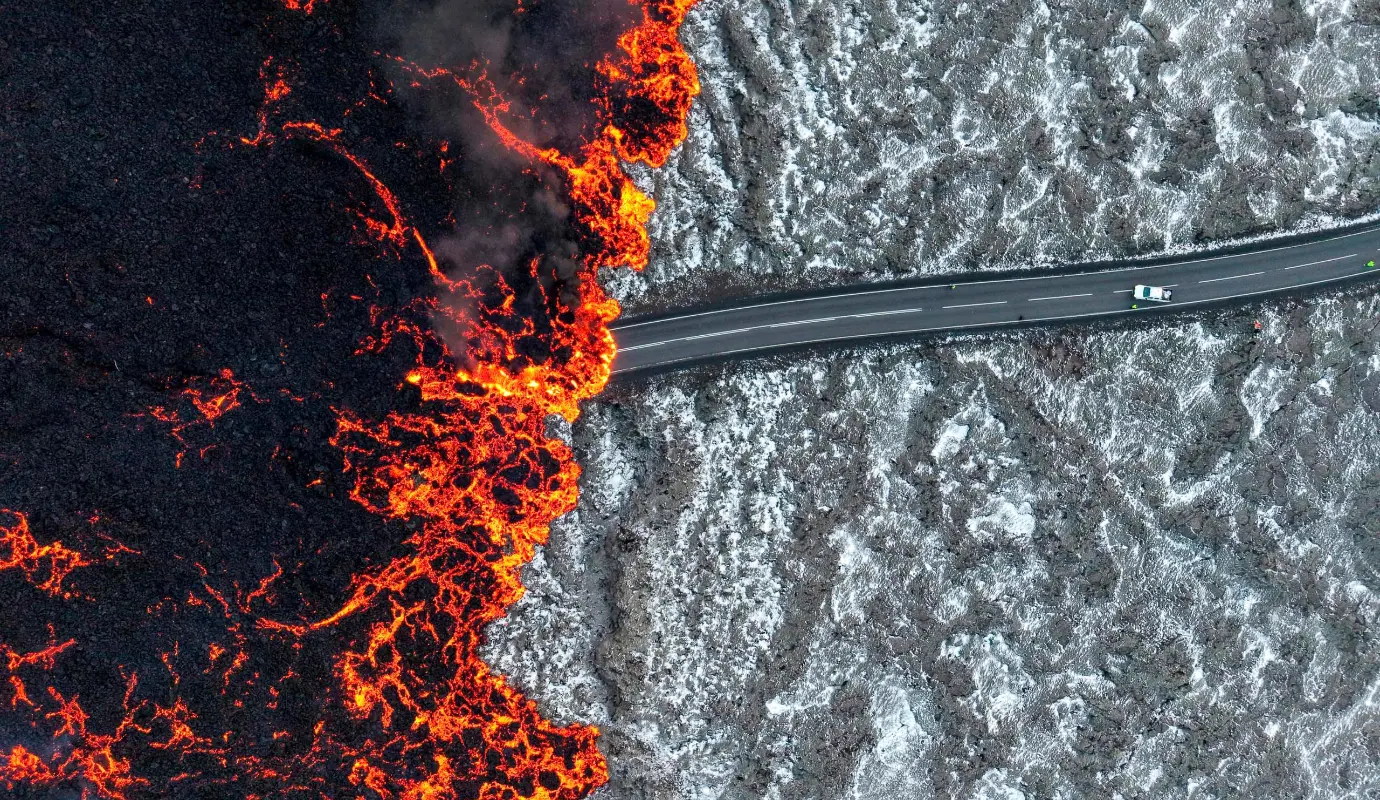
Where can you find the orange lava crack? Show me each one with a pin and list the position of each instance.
(46, 566)
(471, 473)
(305, 6)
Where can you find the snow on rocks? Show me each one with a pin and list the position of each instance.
(836, 142)
(988, 566)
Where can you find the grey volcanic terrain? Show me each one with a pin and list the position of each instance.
(1136, 561)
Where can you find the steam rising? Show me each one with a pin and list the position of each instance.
(511, 225)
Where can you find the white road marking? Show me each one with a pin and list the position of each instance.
(1233, 277)
(773, 303)
(888, 313)
(963, 327)
(1324, 261)
(812, 321)
(1134, 268)
(695, 337)
(971, 305)
(1059, 297)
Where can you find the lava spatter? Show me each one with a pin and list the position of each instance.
(75, 752)
(209, 399)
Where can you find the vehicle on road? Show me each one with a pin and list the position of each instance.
(1157, 294)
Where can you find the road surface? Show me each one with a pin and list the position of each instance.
(872, 311)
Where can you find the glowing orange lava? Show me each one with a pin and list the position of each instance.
(46, 566)
(210, 398)
(305, 6)
(90, 757)
(469, 470)
(479, 473)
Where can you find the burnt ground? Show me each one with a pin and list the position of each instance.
(134, 264)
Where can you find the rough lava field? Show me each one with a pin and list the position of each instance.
(1135, 561)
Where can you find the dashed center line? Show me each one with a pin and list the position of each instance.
(1232, 277)
(1324, 261)
(788, 324)
(1059, 297)
(889, 313)
(862, 315)
(830, 330)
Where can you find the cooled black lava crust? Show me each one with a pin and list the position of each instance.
(134, 263)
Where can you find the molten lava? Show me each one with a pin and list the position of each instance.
(305, 6)
(210, 399)
(466, 465)
(45, 566)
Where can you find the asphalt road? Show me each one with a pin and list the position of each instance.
(871, 311)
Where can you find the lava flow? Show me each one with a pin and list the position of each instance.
(477, 470)
(464, 463)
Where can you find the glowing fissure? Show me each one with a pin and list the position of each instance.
(470, 470)
(91, 757)
(210, 399)
(305, 6)
(46, 566)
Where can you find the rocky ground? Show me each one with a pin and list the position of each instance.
(1073, 563)
(1137, 562)
(1134, 562)
(844, 141)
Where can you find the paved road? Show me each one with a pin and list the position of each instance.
(870, 311)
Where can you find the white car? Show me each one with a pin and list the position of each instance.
(1158, 294)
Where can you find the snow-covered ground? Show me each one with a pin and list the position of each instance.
(846, 140)
(1121, 562)
(1136, 562)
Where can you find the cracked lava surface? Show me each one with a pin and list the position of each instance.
(204, 639)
